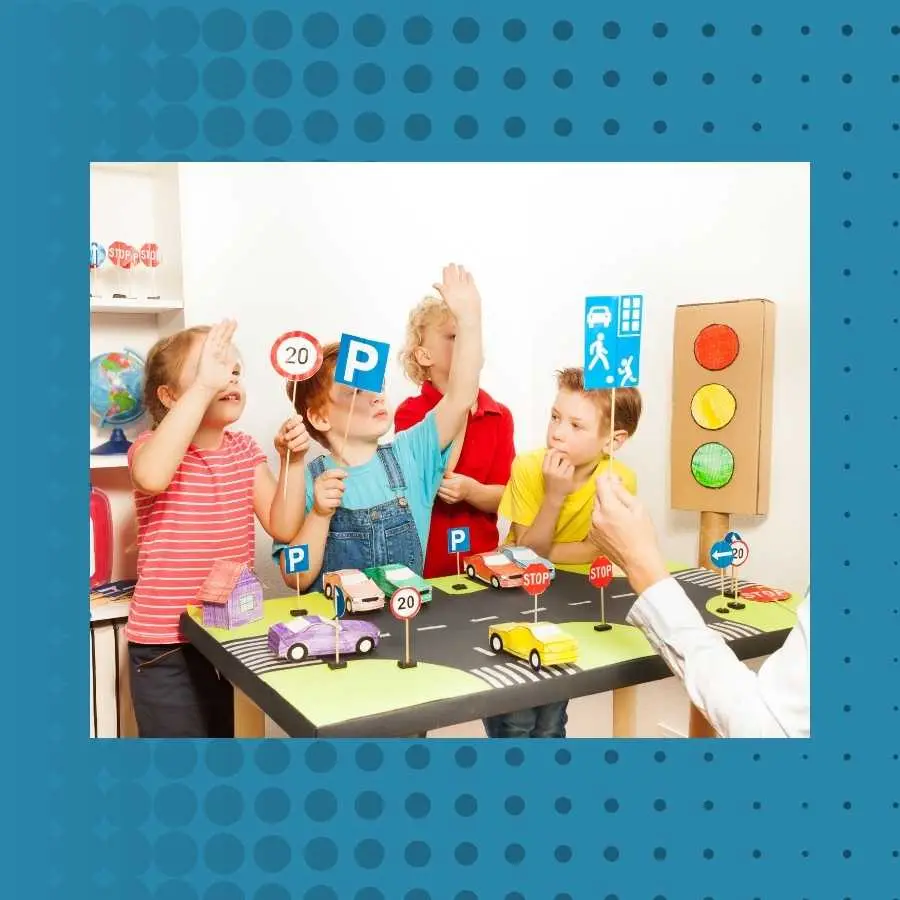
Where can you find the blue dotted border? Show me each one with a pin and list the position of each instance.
(524, 81)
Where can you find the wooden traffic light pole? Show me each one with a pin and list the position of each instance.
(713, 525)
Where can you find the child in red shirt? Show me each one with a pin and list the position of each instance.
(483, 450)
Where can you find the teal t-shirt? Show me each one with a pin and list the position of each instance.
(422, 462)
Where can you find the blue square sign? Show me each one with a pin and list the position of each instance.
(361, 363)
(296, 559)
(458, 540)
(612, 341)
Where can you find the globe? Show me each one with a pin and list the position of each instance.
(116, 382)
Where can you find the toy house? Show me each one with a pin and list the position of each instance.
(232, 595)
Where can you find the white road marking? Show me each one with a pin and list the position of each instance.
(543, 672)
(430, 627)
(485, 652)
(517, 672)
(488, 678)
(629, 594)
(569, 669)
(580, 602)
(503, 670)
(484, 619)
(385, 634)
(525, 612)
(503, 679)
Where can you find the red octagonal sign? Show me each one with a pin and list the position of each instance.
(601, 572)
(536, 579)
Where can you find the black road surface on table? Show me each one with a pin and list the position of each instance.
(452, 631)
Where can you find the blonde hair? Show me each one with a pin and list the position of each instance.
(428, 311)
(628, 400)
(163, 367)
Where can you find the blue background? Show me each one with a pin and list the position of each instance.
(481, 81)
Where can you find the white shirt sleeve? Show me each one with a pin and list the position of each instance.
(737, 701)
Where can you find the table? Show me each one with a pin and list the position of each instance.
(458, 678)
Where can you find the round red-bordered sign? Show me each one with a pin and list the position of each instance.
(405, 603)
(536, 579)
(741, 552)
(296, 356)
(601, 572)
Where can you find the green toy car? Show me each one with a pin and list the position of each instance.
(394, 575)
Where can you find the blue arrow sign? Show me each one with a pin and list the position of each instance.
(340, 605)
(721, 554)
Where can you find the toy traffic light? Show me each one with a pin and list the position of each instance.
(722, 407)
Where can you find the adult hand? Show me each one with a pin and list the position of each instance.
(621, 528)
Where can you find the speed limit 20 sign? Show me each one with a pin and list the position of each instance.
(296, 356)
(405, 603)
(741, 552)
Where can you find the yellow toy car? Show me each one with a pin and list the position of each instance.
(540, 643)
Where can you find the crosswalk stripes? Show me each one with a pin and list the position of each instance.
(254, 653)
(733, 630)
(509, 673)
(708, 579)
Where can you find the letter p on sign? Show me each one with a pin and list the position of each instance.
(458, 540)
(296, 559)
(361, 363)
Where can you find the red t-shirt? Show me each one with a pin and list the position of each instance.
(487, 455)
(205, 514)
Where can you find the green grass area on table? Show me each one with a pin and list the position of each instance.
(446, 584)
(774, 616)
(274, 611)
(368, 687)
(605, 648)
(584, 568)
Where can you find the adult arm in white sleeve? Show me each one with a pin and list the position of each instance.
(737, 701)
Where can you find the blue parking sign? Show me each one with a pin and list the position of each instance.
(458, 540)
(612, 341)
(296, 559)
(361, 363)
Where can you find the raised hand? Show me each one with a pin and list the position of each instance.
(218, 357)
(459, 292)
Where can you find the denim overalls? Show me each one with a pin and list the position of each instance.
(359, 538)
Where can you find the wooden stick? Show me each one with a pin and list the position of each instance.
(406, 621)
(347, 429)
(337, 646)
(287, 460)
(612, 430)
(602, 606)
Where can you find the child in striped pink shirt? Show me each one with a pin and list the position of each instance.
(197, 485)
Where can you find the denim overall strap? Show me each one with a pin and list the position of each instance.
(317, 466)
(392, 467)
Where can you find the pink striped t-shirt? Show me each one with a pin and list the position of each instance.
(205, 514)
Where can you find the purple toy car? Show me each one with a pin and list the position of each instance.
(311, 635)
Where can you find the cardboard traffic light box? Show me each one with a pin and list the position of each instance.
(722, 391)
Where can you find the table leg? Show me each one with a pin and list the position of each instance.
(249, 719)
(625, 712)
(698, 726)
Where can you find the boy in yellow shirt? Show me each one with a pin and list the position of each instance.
(550, 497)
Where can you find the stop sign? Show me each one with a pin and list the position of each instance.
(536, 579)
(601, 572)
(763, 594)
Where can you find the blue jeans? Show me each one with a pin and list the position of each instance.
(361, 538)
(547, 721)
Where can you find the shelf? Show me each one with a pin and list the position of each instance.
(140, 306)
(113, 461)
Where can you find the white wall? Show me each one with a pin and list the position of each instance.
(335, 247)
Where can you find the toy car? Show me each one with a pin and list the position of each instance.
(494, 569)
(361, 594)
(541, 643)
(310, 635)
(394, 575)
(525, 556)
(599, 315)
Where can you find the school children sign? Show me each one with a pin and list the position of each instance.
(612, 341)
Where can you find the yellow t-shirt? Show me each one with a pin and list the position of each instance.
(524, 494)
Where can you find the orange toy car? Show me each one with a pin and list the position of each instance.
(494, 568)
